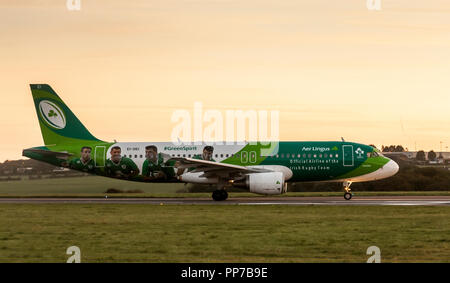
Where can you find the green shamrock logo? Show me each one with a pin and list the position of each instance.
(52, 114)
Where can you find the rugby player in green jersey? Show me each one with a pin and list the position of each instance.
(206, 155)
(120, 167)
(85, 163)
(154, 167)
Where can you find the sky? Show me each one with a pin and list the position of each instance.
(332, 68)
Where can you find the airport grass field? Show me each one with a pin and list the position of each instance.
(208, 233)
(81, 185)
(212, 233)
(95, 186)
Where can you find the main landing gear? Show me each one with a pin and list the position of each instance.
(219, 195)
(347, 191)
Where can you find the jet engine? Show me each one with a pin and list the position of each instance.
(268, 183)
(197, 178)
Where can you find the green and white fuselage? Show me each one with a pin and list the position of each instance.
(293, 161)
(304, 160)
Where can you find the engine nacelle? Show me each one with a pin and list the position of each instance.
(195, 177)
(270, 183)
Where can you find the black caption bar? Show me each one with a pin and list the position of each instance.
(219, 272)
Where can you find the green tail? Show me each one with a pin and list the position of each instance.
(58, 123)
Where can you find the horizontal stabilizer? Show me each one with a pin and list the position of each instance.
(48, 153)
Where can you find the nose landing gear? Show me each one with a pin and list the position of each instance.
(347, 191)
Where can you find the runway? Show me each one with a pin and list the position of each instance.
(337, 201)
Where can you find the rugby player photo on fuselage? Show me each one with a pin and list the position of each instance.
(85, 163)
(207, 154)
(119, 166)
(155, 167)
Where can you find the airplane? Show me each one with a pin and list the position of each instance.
(67, 143)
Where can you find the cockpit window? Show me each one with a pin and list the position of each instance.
(374, 154)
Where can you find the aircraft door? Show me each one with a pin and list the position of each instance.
(348, 156)
(99, 157)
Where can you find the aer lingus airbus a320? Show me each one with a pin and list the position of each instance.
(69, 144)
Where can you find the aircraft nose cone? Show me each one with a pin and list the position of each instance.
(390, 169)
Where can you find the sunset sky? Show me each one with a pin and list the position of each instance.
(332, 68)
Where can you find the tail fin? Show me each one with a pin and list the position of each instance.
(58, 124)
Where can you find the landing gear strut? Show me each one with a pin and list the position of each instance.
(219, 195)
(348, 192)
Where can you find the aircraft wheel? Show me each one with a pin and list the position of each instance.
(224, 195)
(219, 195)
(347, 196)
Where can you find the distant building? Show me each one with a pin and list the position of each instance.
(442, 157)
(61, 170)
(23, 170)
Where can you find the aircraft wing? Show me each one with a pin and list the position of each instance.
(210, 167)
